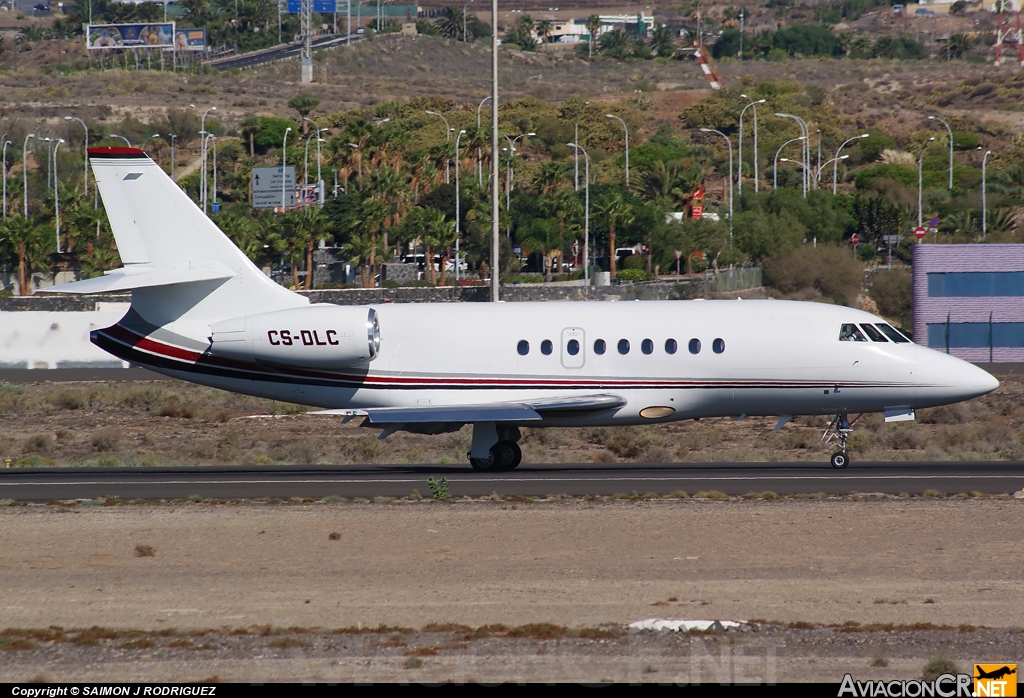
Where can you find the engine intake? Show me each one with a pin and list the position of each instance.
(319, 336)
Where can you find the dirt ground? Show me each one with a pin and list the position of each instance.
(224, 582)
(164, 423)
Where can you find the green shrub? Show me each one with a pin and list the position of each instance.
(633, 261)
(893, 293)
(634, 275)
(832, 271)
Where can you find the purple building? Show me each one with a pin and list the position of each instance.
(969, 301)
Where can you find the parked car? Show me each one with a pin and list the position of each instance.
(41, 7)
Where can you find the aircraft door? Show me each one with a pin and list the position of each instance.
(574, 347)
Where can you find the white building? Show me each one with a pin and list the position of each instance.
(575, 30)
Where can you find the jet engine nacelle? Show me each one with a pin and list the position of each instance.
(320, 336)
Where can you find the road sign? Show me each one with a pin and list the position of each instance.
(266, 186)
(919, 232)
(679, 254)
(698, 210)
(892, 239)
(855, 239)
(934, 222)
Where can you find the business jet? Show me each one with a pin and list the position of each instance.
(201, 311)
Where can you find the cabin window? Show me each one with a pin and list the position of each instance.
(647, 346)
(545, 347)
(599, 346)
(875, 335)
(623, 346)
(523, 347)
(670, 346)
(695, 346)
(892, 333)
(573, 347)
(718, 346)
(850, 333)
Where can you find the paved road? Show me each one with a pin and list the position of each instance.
(276, 53)
(581, 479)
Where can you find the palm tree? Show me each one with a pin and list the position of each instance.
(551, 176)
(451, 22)
(615, 44)
(249, 127)
(27, 241)
(593, 25)
(616, 212)
(663, 42)
(544, 29)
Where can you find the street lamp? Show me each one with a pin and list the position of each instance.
(112, 135)
(174, 137)
(804, 149)
(728, 143)
(835, 164)
(155, 135)
(775, 166)
(509, 172)
(833, 161)
(202, 153)
(576, 153)
(24, 168)
(984, 217)
(586, 213)
(479, 161)
(920, 161)
(6, 143)
(626, 129)
(739, 164)
(457, 137)
(284, 167)
(465, 31)
(214, 139)
(447, 139)
(56, 194)
(72, 118)
(935, 118)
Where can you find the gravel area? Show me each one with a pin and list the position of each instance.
(214, 569)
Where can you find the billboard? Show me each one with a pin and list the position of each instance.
(189, 39)
(160, 35)
(321, 6)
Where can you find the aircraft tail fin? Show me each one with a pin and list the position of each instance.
(177, 262)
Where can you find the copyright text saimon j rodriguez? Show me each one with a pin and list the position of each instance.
(56, 691)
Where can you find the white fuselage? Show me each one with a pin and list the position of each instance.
(779, 358)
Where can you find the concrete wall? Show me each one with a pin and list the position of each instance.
(57, 339)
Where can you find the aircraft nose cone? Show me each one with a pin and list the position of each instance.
(954, 378)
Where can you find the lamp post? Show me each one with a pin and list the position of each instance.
(836, 159)
(775, 166)
(576, 153)
(6, 143)
(950, 131)
(509, 171)
(447, 139)
(203, 135)
(984, 217)
(626, 129)
(804, 149)
(479, 161)
(155, 135)
(24, 168)
(114, 135)
(56, 194)
(739, 163)
(49, 161)
(728, 143)
(495, 249)
(920, 161)
(284, 167)
(586, 212)
(174, 137)
(457, 137)
(830, 162)
(214, 139)
(72, 118)
(465, 34)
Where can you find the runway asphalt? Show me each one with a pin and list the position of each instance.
(41, 485)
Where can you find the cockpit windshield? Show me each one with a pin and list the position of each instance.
(892, 333)
(850, 333)
(875, 335)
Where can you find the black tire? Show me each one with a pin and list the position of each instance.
(485, 464)
(840, 460)
(505, 455)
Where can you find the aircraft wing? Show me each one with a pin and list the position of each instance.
(442, 418)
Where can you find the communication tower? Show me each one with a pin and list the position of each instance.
(1007, 38)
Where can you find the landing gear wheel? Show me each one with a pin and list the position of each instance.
(840, 460)
(487, 464)
(507, 455)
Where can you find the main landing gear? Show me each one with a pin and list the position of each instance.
(840, 429)
(495, 449)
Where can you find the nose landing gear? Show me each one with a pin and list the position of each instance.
(839, 429)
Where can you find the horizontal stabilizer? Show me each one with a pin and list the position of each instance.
(144, 276)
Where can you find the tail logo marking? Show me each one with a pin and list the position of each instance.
(132, 175)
